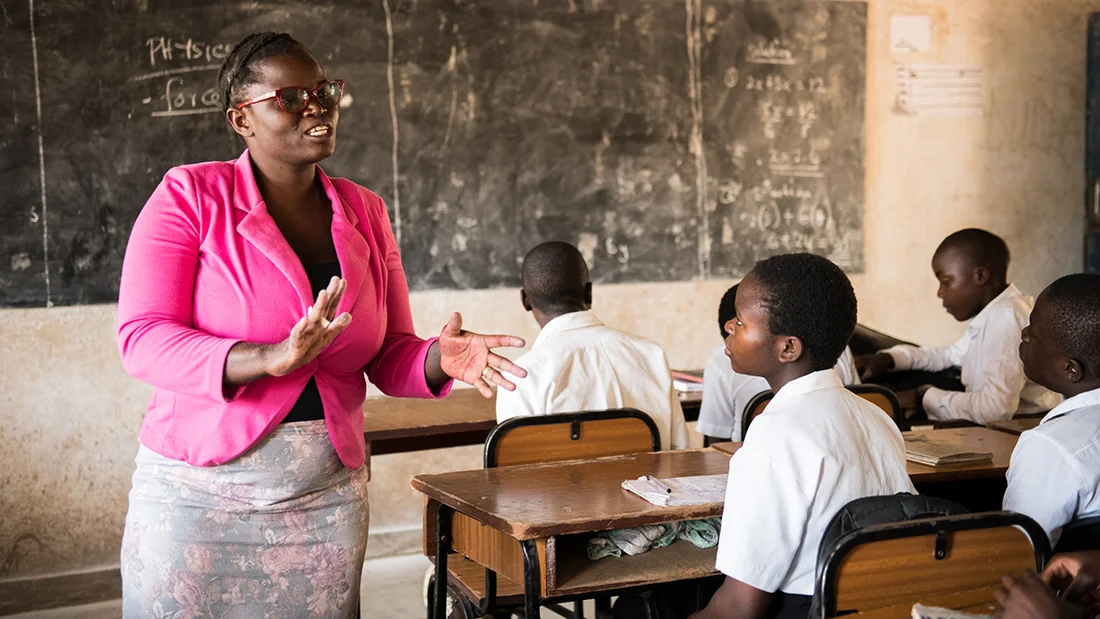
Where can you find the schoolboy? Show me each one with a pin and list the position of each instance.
(1054, 474)
(815, 448)
(971, 266)
(726, 393)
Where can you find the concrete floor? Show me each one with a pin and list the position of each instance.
(393, 588)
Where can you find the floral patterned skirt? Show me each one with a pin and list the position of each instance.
(279, 532)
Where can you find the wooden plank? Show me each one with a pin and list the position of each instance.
(463, 410)
(464, 417)
(487, 546)
(1015, 426)
(576, 574)
(469, 579)
(978, 601)
(1000, 444)
(538, 501)
(905, 570)
(472, 435)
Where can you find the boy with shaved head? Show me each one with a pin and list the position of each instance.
(1054, 475)
(579, 364)
(971, 266)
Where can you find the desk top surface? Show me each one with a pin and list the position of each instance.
(462, 410)
(563, 498)
(1000, 444)
(1016, 426)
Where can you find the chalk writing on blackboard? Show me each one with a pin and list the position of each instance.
(183, 71)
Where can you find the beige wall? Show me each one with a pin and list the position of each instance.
(70, 415)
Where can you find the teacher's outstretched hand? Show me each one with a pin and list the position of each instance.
(469, 357)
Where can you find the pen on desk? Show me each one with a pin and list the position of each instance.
(658, 483)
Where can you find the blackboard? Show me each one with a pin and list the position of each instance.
(668, 140)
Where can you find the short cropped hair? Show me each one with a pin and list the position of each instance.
(554, 277)
(983, 248)
(1074, 304)
(810, 298)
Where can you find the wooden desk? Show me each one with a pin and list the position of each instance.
(975, 438)
(1015, 426)
(397, 425)
(531, 524)
(464, 417)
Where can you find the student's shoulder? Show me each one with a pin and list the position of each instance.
(1014, 309)
(1074, 432)
(605, 335)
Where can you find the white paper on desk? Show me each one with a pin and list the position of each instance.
(694, 490)
(920, 611)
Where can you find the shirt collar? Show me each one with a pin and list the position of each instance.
(246, 192)
(1081, 400)
(1008, 295)
(568, 322)
(814, 381)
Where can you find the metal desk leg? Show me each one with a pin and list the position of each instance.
(531, 589)
(490, 593)
(442, 549)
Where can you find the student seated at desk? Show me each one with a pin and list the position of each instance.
(577, 363)
(816, 447)
(971, 266)
(726, 393)
(1054, 474)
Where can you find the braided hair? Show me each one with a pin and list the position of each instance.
(238, 71)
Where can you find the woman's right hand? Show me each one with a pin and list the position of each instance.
(248, 362)
(313, 333)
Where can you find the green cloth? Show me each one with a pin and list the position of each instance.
(702, 533)
(600, 547)
(636, 540)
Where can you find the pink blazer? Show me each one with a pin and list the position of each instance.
(206, 267)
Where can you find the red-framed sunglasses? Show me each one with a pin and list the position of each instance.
(294, 99)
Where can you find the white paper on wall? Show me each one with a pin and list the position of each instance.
(939, 89)
(910, 34)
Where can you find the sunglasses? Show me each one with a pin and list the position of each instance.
(295, 99)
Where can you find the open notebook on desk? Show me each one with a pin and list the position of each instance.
(921, 449)
(673, 491)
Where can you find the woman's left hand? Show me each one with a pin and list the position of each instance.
(469, 357)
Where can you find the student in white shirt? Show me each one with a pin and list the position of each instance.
(816, 447)
(971, 266)
(1054, 474)
(726, 393)
(577, 363)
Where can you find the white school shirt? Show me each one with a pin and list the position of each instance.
(988, 353)
(578, 364)
(814, 449)
(726, 393)
(1054, 474)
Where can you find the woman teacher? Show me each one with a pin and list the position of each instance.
(255, 294)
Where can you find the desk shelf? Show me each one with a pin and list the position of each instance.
(569, 571)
